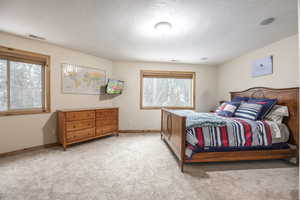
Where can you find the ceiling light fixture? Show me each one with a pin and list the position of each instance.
(163, 26)
(267, 21)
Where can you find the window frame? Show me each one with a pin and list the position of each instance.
(12, 54)
(167, 74)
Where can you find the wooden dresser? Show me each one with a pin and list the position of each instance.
(78, 125)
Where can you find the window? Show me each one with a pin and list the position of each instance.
(167, 89)
(24, 82)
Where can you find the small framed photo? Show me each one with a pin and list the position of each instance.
(262, 67)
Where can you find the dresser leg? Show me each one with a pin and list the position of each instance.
(65, 147)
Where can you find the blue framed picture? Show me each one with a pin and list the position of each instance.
(262, 67)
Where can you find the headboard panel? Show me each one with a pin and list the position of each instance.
(285, 96)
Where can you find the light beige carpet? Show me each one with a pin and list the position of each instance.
(138, 167)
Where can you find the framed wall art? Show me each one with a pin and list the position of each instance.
(78, 79)
(262, 67)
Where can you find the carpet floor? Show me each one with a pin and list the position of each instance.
(138, 167)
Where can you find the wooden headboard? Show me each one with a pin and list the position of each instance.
(286, 96)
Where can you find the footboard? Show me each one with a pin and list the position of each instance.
(173, 131)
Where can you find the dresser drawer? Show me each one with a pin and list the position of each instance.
(109, 129)
(105, 122)
(80, 115)
(105, 129)
(78, 125)
(99, 131)
(80, 135)
(107, 114)
(112, 122)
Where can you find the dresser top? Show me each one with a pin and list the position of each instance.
(83, 109)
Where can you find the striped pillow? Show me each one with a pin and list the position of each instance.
(248, 111)
(267, 105)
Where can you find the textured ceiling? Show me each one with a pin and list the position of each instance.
(123, 29)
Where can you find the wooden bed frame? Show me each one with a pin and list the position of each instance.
(173, 130)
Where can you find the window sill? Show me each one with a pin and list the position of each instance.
(174, 108)
(24, 112)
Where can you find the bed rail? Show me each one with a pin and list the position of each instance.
(173, 128)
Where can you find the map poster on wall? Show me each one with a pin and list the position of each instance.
(82, 80)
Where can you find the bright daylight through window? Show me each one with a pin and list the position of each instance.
(167, 89)
(23, 85)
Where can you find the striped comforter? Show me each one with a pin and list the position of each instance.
(236, 133)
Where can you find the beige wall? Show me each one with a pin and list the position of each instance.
(212, 84)
(17, 132)
(236, 74)
(132, 117)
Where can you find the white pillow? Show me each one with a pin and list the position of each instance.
(277, 113)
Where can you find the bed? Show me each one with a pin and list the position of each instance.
(174, 131)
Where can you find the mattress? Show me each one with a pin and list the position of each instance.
(210, 132)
